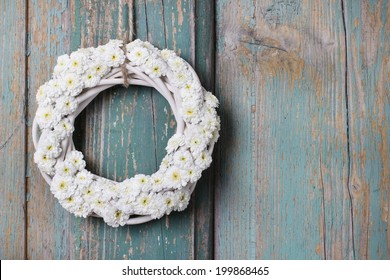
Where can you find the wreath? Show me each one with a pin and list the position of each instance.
(77, 79)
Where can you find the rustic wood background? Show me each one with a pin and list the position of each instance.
(301, 170)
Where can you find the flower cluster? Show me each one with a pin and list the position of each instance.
(188, 154)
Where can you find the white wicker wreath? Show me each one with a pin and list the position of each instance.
(78, 78)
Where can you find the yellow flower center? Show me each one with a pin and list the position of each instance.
(145, 201)
(168, 202)
(175, 176)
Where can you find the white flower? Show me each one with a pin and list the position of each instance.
(167, 54)
(158, 207)
(50, 145)
(158, 181)
(46, 116)
(73, 84)
(71, 203)
(182, 198)
(83, 210)
(90, 192)
(64, 128)
(62, 186)
(65, 168)
(197, 144)
(138, 55)
(169, 201)
(175, 142)
(134, 44)
(76, 159)
(66, 105)
(155, 68)
(42, 95)
(115, 217)
(204, 160)
(192, 88)
(114, 57)
(181, 78)
(176, 178)
(143, 182)
(183, 159)
(205, 132)
(142, 205)
(44, 162)
(84, 178)
(166, 162)
(215, 136)
(177, 64)
(62, 64)
(129, 189)
(100, 69)
(149, 46)
(211, 100)
(111, 190)
(210, 121)
(194, 173)
(190, 112)
(91, 78)
(78, 62)
(55, 88)
(99, 204)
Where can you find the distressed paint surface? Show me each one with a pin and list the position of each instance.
(302, 167)
(289, 118)
(113, 129)
(368, 88)
(12, 129)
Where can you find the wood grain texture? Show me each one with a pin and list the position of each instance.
(12, 129)
(368, 88)
(302, 167)
(282, 186)
(205, 68)
(123, 132)
(48, 225)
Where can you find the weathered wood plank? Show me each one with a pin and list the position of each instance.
(205, 67)
(48, 225)
(368, 33)
(282, 186)
(113, 129)
(12, 129)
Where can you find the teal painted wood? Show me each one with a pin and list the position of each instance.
(48, 225)
(205, 188)
(368, 33)
(113, 131)
(282, 185)
(12, 129)
(302, 167)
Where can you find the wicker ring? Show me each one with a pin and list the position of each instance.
(77, 79)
